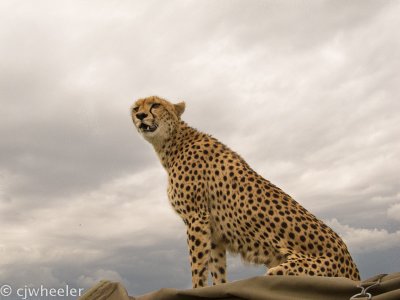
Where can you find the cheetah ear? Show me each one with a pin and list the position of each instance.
(179, 108)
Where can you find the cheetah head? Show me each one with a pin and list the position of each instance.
(155, 118)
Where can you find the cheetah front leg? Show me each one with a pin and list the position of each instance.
(199, 242)
(218, 263)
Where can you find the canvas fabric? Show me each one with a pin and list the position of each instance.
(380, 287)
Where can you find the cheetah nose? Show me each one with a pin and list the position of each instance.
(141, 116)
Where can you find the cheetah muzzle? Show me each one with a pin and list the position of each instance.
(226, 205)
(148, 128)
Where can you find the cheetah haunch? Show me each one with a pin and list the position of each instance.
(228, 206)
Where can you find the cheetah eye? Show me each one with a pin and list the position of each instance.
(155, 105)
(135, 109)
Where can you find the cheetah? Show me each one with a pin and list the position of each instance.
(227, 206)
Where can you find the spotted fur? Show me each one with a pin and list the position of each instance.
(226, 205)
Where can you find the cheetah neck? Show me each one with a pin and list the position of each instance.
(169, 148)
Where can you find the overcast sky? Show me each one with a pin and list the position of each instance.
(306, 91)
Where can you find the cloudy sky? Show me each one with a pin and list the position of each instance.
(306, 91)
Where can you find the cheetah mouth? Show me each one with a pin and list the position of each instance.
(147, 128)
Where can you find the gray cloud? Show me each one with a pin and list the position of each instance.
(306, 93)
